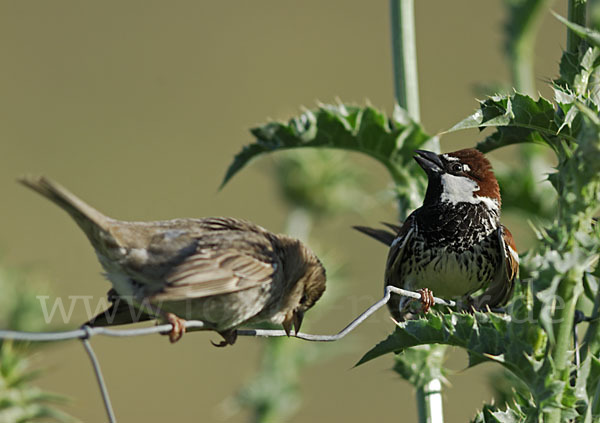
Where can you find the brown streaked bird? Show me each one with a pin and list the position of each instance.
(454, 244)
(224, 271)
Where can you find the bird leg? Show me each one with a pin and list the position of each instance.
(178, 327)
(178, 323)
(427, 300)
(229, 338)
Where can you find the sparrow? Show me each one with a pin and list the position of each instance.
(454, 244)
(223, 271)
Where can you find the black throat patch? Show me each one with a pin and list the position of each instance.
(455, 226)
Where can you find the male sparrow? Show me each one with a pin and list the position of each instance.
(454, 244)
(224, 271)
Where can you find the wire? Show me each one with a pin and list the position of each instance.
(99, 377)
(352, 325)
(199, 325)
(87, 332)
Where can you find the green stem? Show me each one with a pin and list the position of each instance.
(423, 406)
(566, 290)
(563, 328)
(577, 14)
(596, 402)
(591, 341)
(594, 13)
(521, 44)
(406, 85)
(522, 68)
(429, 402)
(404, 56)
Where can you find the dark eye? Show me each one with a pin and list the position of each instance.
(456, 167)
(303, 299)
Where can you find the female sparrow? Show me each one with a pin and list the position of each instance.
(226, 272)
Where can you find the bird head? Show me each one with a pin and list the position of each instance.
(463, 176)
(305, 279)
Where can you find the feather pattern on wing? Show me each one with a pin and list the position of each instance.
(394, 264)
(500, 291)
(221, 264)
(510, 254)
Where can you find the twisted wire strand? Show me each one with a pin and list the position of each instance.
(87, 332)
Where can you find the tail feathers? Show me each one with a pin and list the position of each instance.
(119, 313)
(88, 218)
(381, 235)
(394, 228)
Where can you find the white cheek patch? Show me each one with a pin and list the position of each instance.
(460, 189)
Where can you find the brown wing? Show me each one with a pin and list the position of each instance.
(394, 272)
(499, 293)
(222, 263)
(510, 254)
(381, 235)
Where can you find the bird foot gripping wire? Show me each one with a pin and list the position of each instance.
(352, 325)
(427, 299)
(178, 327)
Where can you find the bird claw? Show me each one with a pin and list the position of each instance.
(427, 300)
(229, 338)
(178, 327)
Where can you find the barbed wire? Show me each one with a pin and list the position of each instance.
(87, 332)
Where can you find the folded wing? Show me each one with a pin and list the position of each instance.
(222, 263)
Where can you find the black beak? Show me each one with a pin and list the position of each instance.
(294, 320)
(429, 161)
(298, 317)
(287, 324)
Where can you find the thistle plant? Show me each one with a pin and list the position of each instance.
(533, 339)
(20, 400)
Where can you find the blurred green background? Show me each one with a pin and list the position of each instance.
(139, 107)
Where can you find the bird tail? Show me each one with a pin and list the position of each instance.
(90, 220)
(381, 235)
